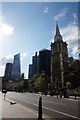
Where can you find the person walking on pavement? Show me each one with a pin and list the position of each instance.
(5, 92)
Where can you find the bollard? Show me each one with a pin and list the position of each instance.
(75, 96)
(40, 109)
(57, 94)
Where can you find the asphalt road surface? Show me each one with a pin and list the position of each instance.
(51, 106)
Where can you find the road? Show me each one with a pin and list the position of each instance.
(53, 107)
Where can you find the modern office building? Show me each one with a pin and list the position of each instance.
(8, 70)
(59, 58)
(16, 69)
(38, 64)
(35, 62)
(34, 67)
(30, 75)
(45, 63)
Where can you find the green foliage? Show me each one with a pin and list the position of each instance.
(25, 85)
(38, 83)
(76, 67)
(19, 86)
(57, 84)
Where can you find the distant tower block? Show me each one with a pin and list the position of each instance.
(59, 58)
(16, 70)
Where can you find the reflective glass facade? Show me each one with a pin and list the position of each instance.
(16, 71)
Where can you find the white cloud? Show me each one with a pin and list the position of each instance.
(5, 60)
(61, 14)
(5, 29)
(75, 50)
(46, 10)
(2, 69)
(70, 35)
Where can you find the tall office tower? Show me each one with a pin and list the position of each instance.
(8, 70)
(38, 64)
(59, 58)
(45, 63)
(16, 70)
(34, 62)
(34, 67)
(30, 74)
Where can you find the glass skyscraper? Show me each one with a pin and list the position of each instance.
(16, 70)
(8, 70)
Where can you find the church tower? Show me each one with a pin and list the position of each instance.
(59, 58)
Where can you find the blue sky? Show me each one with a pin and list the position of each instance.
(28, 27)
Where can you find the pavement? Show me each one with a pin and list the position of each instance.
(0, 105)
(16, 111)
(70, 97)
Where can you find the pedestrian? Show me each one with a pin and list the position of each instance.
(5, 92)
(57, 93)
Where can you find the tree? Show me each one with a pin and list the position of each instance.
(75, 66)
(25, 85)
(38, 83)
(57, 84)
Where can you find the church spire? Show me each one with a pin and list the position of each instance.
(57, 29)
(58, 36)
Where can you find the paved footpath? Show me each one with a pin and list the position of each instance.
(0, 106)
(16, 111)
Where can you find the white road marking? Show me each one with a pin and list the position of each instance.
(35, 112)
(25, 108)
(52, 110)
(57, 111)
(61, 113)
